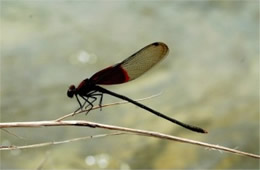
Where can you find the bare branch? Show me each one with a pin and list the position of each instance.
(7, 131)
(12, 147)
(123, 129)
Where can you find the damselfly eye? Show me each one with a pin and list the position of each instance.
(71, 91)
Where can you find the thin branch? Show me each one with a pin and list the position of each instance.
(10, 133)
(123, 129)
(105, 105)
(12, 147)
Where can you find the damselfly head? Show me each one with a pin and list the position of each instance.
(71, 91)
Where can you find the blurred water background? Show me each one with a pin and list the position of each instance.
(210, 79)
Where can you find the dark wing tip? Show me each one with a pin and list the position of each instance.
(156, 43)
(159, 43)
(163, 45)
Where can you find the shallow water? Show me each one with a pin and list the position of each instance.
(210, 79)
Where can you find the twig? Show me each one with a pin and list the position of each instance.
(105, 105)
(7, 131)
(12, 147)
(123, 129)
